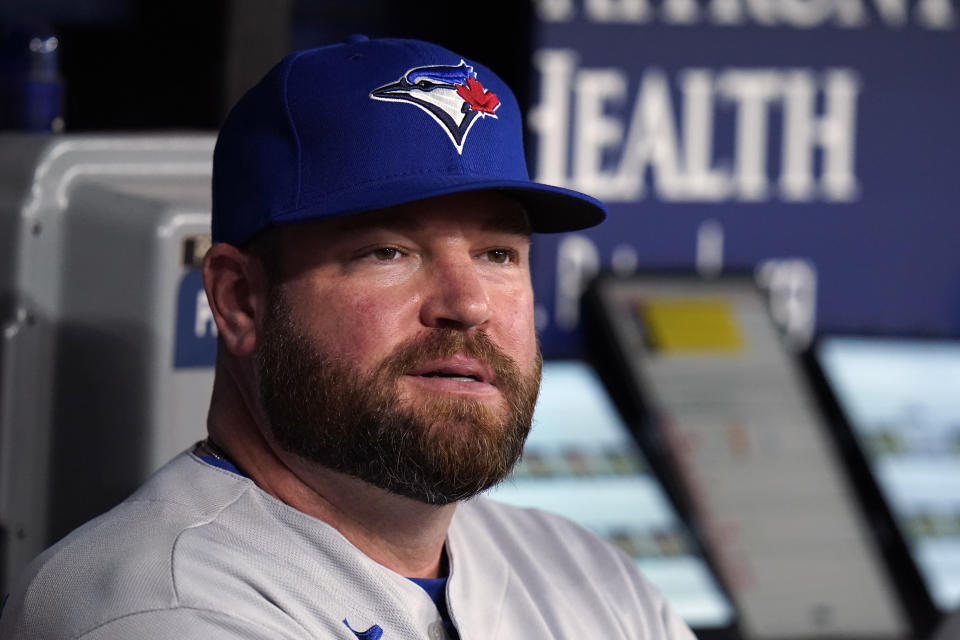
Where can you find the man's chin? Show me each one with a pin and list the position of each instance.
(451, 414)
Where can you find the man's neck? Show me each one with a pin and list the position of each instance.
(402, 534)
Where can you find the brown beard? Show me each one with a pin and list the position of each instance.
(437, 451)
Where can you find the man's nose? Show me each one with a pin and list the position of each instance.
(456, 296)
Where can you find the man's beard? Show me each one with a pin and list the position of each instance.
(437, 450)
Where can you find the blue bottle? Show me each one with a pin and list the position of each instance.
(31, 88)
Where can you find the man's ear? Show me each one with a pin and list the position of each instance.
(236, 290)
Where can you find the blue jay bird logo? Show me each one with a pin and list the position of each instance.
(451, 94)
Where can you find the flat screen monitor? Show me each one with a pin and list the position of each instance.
(582, 462)
(899, 399)
(705, 369)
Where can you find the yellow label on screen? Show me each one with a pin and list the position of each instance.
(691, 324)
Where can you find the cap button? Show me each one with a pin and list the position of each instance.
(357, 37)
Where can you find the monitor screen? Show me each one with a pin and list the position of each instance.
(581, 462)
(901, 400)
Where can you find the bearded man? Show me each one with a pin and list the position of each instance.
(377, 369)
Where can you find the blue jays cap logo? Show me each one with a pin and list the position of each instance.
(451, 94)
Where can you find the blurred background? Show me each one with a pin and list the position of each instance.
(752, 379)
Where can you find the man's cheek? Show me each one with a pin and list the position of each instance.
(363, 338)
(518, 338)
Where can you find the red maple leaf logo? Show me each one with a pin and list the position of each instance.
(477, 97)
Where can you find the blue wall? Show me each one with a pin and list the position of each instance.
(817, 129)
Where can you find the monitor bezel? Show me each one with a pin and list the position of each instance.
(915, 596)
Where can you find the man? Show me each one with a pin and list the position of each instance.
(377, 369)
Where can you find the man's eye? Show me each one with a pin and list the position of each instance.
(386, 253)
(499, 256)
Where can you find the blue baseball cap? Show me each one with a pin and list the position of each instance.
(373, 123)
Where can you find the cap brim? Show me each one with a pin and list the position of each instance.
(554, 209)
(551, 209)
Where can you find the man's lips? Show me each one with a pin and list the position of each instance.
(456, 368)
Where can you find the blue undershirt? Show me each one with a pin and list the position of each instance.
(436, 588)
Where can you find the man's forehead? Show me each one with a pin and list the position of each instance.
(487, 211)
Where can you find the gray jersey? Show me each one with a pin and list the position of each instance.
(202, 553)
